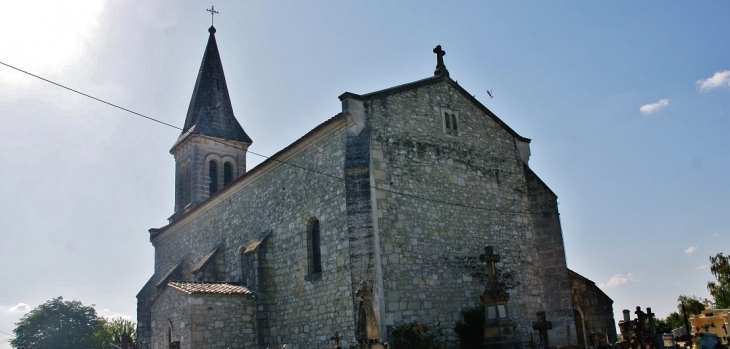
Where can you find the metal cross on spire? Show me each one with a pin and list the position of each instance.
(213, 12)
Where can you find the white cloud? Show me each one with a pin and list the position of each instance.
(650, 108)
(620, 280)
(720, 79)
(690, 250)
(19, 308)
(704, 266)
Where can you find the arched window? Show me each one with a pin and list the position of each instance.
(227, 173)
(185, 184)
(212, 177)
(314, 254)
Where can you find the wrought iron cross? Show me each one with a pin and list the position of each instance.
(490, 258)
(213, 12)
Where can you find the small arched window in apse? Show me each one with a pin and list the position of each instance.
(227, 173)
(212, 177)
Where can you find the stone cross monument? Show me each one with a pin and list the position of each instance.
(499, 329)
(542, 326)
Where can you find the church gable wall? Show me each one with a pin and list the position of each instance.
(430, 249)
(283, 199)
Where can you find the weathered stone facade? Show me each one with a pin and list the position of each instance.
(593, 310)
(407, 185)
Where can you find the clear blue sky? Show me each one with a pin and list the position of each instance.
(627, 104)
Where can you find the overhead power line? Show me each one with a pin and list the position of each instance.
(264, 156)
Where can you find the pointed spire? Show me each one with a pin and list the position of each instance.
(210, 112)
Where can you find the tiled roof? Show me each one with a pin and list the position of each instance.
(209, 288)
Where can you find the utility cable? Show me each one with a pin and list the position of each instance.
(264, 156)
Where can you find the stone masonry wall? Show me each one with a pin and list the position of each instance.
(553, 267)
(430, 249)
(594, 306)
(170, 311)
(304, 312)
(221, 321)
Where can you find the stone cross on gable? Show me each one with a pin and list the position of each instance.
(542, 326)
(440, 66)
(337, 339)
(490, 258)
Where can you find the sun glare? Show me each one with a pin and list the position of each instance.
(43, 36)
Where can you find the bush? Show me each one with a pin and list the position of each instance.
(416, 336)
(471, 330)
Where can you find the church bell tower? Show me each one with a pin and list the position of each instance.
(211, 150)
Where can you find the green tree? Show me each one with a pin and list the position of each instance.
(693, 304)
(720, 290)
(57, 324)
(117, 331)
(674, 320)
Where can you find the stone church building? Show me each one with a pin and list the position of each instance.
(402, 189)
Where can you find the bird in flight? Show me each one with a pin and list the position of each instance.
(489, 92)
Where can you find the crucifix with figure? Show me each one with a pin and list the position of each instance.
(213, 12)
(490, 258)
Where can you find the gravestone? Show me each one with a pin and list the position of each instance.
(599, 340)
(709, 341)
(669, 342)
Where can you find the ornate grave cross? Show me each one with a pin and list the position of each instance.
(640, 327)
(213, 12)
(542, 326)
(490, 258)
(337, 339)
(440, 66)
